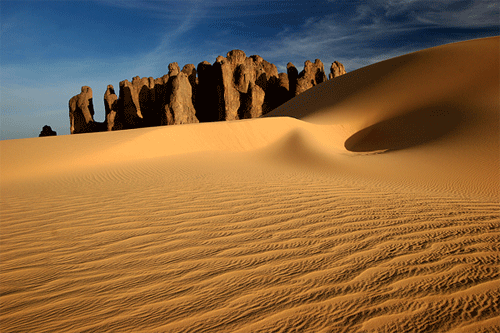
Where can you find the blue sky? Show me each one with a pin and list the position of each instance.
(49, 49)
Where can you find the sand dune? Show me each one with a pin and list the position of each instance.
(369, 203)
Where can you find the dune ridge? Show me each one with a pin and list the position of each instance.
(321, 217)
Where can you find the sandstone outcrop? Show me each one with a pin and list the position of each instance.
(136, 98)
(253, 102)
(233, 87)
(173, 69)
(111, 108)
(244, 84)
(81, 112)
(312, 74)
(47, 131)
(248, 86)
(336, 69)
(180, 109)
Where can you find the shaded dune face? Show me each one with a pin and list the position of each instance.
(461, 79)
(410, 129)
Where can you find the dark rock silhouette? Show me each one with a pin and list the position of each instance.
(207, 93)
(233, 87)
(47, 131)
(293, 75)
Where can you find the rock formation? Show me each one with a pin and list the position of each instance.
(252, 102)
(336, 69)
(233, 87)
(180, 109)
(293, 75)
(81, 112)
(246, 84)
(137, 98)
(47, 131)
(311, 75)
(111, 108)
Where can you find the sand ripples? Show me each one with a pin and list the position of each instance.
(192, 257)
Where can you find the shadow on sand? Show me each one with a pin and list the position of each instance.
(411, 129)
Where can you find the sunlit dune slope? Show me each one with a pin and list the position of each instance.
(369, 203)
(435, 112)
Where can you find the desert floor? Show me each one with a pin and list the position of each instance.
(369, 203)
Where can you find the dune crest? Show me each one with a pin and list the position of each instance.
(367, 203)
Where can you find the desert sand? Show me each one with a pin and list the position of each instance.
(369, 203)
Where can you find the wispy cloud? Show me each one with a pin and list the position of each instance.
(450, 13)
(484, 13)
(211, 9)
(171, 10)
(378, 29)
